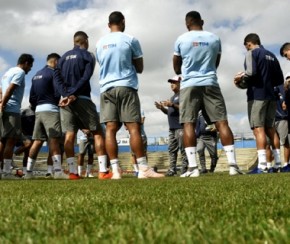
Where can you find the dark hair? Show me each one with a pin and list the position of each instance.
(194, 15)
(81, 34)
(25, 58)
(116, 17)
(193, 18)
(52, 55)
(285, 46)
(253, 38)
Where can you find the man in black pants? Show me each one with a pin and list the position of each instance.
(206, 139)
(171, 108)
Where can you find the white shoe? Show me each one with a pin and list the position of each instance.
(9, 176)
(234, 170)
(193, 173)
(60, 175)
(90, 175)
(117, 175)
(28, 176)
(148, 173)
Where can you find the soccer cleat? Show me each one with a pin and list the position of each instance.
(48, 176)
(203, 171)
(105, 175)
(73, 176)
(149, 173)
(90, 175)
(234, 170)
(193, 173)
(170, 173)
(60, 175)
(258, 171)
(286, 168)
(28, 176)
(116, 176)
(274, 170)
(9, 176)
(212, 168)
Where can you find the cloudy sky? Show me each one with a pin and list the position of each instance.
(41, 27)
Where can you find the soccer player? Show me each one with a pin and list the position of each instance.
(262, 74)
(13, 84)
(196, 56)
(45, 98)
(120, 59)
(78, 111)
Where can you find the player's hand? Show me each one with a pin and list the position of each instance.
(67, 101)
(63, 102)
(167, 103)
(158, 105)
(238, 77)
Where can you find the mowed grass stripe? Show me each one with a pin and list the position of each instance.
(214, 208)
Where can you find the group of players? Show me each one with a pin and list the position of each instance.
(60, 96)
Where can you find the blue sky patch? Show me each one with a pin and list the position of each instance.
(71, 5)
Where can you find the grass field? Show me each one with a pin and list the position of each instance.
(214, 208)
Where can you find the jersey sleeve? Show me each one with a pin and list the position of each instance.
(136, 49)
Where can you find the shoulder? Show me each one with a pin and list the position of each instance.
(18, 70)
(18, 73)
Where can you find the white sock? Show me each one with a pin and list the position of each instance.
(269, 165)
(24, 170)
(71, 165)
(56, 159)
(49, 169)
(262, 159)
(135, 166)
(115, 165)
(7, 165)
(277, 157)
(80, 170)
(231, 154)
(30, 164)
(142, 163)
(102, 160)
(191, 156)
(89, 168)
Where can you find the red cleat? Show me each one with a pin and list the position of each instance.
(73, 176)
(105, 175)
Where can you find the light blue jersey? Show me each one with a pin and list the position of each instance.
(16, 76)
(199, 51)
(114, 53)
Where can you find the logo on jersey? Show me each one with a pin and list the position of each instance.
(109, 46)
(71, 57)
(270, 58)
(37, 77)
(200, 44)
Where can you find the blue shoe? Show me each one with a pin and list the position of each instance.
(257, 171)
(274, 170)
(286, 168)
(271, 170)
(136, 173)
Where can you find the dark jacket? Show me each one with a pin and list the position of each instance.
(263, 73)
(75, 69)
(43, 89)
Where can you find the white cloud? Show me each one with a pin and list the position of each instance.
(38, 27)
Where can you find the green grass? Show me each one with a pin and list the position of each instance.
(214, 208)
